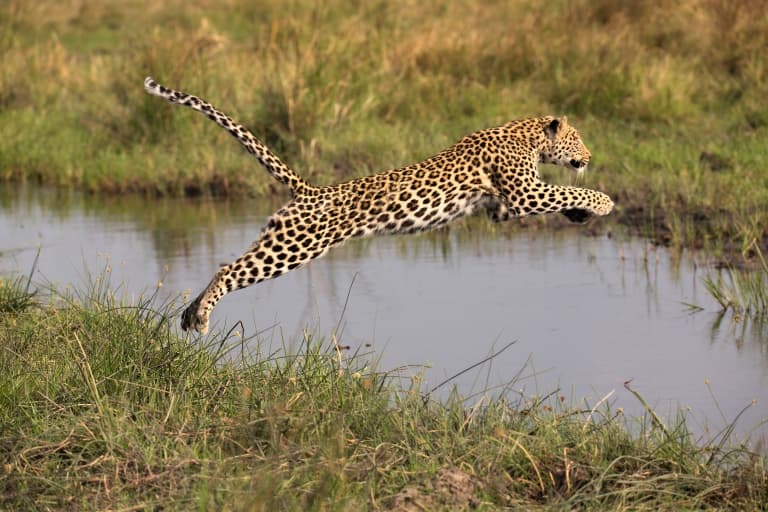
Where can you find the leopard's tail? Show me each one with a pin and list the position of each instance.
(254, 146)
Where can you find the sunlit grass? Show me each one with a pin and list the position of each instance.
(103, 406)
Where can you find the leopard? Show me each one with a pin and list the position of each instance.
(493, 170)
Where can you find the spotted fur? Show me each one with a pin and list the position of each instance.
(495, 170)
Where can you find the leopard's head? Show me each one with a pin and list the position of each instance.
(564, 146)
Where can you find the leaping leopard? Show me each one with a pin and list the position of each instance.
(495, 170)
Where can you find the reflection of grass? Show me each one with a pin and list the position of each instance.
(103, 406)
(675, 117)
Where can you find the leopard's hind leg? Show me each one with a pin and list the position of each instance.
(290, 239)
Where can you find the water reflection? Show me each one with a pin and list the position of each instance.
(747, 333)
(588, 313)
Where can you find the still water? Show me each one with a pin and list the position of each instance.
(587, 313)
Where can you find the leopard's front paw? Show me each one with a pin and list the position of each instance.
(195, 317)
(603, 204)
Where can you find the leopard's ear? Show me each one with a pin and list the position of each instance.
(552, 128)
(555, 126)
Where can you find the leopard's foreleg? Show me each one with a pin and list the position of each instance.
(574, 202)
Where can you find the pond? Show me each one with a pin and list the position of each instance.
(587, 313)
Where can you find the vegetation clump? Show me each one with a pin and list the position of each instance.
(105, 407)
(744, 292)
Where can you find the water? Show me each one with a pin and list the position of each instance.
(586, 313)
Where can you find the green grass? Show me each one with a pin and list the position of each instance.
(16, 294)
(745, 292)
(104, 407)
(675, 117)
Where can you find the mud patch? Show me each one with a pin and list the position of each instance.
(449, 488)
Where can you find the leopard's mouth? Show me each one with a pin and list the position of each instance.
(577, 165)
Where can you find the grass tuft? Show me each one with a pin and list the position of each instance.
(745, 292)
(15, 293)
(104, 406)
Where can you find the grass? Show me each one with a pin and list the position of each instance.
(16, 294)
(104, 407)
(743, 292)
(675, 117)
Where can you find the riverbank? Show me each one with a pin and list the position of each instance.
(105, 407)
(675, 118)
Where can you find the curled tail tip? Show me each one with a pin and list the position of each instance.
(151, 86)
